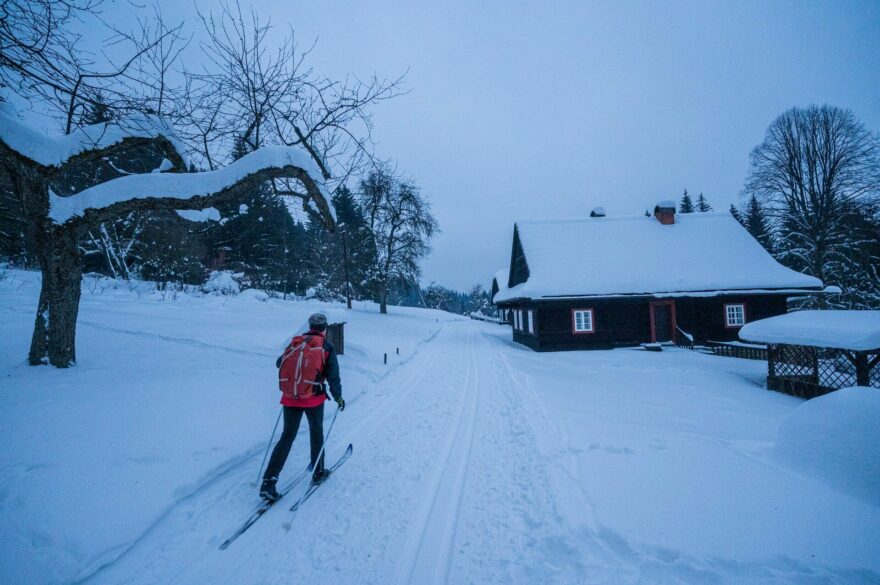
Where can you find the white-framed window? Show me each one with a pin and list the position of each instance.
(517, 319)
(734, 315)
(530, 316)
(582, 321)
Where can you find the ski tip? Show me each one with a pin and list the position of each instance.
(225, 545)
(350, 448)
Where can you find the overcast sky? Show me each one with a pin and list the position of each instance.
(546, 109)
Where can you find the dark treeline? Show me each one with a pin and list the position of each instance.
(262, 243)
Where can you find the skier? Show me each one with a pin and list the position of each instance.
(305, 365)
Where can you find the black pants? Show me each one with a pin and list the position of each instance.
(292, 418)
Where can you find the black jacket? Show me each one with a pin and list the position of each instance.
(331, 369)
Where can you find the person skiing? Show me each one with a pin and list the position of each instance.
(304, 367)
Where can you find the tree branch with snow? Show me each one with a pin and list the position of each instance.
(71, 184)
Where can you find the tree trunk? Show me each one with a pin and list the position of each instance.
(383, 301)
(54, 338)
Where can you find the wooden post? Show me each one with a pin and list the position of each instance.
(385, 359)
(345, 267)
(863, 371)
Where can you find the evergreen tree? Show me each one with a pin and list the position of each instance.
(478, 301)
(259, 238)
(703, 205)
(757, 225)
(350, 251)
(736, 214)
(354, 241)
(686, 205)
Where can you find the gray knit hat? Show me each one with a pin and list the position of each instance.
(318, 322)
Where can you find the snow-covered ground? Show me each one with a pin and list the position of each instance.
(476, 460)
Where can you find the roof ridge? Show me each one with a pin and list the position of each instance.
(616, 218)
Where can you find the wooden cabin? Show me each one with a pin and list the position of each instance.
(603, 282)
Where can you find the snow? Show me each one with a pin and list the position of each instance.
(701, 254)
(853, 330)
(181, 185)
(255, 294)
(475, 460)
(164, 166)
(501, 278)
(836, 437)
(224, 282)
(199, 215)
(56, 150)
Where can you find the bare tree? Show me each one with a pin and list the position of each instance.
(268, 97)
(91, 168)
(815, 167)
(262, 94)
(41, 59)
(401, 225)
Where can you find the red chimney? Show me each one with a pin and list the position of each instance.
(665, 212)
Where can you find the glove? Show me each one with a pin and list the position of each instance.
(341, 403)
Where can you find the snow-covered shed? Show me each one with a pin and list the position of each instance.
(607, 281)
(811, 353)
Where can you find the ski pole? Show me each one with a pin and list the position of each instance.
(327, 436)
(266, 454)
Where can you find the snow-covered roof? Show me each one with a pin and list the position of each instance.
(181, 185)
(610, 256)
(853, 330)
(51, 151)
(500, 279)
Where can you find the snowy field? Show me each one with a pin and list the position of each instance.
(476, 460)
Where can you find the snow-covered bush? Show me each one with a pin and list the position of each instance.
(836, 437)
(255, 294)
(223, 282)
(322, 293)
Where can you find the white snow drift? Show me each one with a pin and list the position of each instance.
(834, 436)
(475, 460)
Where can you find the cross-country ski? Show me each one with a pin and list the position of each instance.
(313, 487)
(262, 509)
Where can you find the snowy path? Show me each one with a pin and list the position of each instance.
(445, 487)
(475, 461)
(460, 475)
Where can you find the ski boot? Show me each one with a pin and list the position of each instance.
(268, 491)
(320, 476)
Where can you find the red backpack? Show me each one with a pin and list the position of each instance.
(301, 374)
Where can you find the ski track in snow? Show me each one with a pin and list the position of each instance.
(427, 554)
(176, 525)
(470, 499)
(461, 474)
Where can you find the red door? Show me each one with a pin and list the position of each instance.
(662, 321)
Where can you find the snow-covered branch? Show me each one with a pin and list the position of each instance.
(193, 190)
(97, 141)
